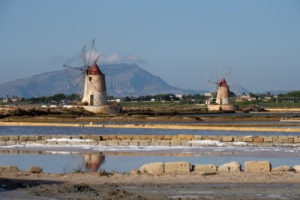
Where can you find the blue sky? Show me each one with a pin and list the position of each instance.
(180, 41)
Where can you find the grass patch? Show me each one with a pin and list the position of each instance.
(270, 104)
(78, 170)
(102, 172)
(158, 104)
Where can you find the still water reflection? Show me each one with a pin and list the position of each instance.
(93, 161)
(68, 163)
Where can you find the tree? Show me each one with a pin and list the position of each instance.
(295, 93)
(253, 95)
(58, 97)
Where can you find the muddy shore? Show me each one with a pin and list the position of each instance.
(242, 185)
(282, 177)
(142, 118)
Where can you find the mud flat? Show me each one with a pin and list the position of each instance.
(137, 114)
(155, 192)
(258, 181)
(130, 115)
(212, 117)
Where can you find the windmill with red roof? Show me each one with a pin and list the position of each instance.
(223, 93)
(94, 89)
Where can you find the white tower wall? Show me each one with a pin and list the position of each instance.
(94, 92)
(223, 95)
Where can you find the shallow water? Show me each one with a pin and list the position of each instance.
(67, 158)
(51, 130)
(63, 159)
(68, 163)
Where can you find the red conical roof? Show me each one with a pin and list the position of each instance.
(223, 83)
(94, 70)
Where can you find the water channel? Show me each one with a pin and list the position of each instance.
(65, 159)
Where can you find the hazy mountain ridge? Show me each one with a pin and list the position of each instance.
(121, 80)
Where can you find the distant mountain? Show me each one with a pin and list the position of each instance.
(121, 80)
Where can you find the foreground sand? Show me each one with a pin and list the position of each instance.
(126, 178)
(83, 186)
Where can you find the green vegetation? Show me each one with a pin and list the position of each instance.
(102, 172)
(55, 99)
(269, 104)
(260, 96)
(78, 170)
(191, 99)
(163, 100)
(158, 97)
(157, 104)
(288, 100)
(295, 93)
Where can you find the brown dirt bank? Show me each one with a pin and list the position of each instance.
(174, 191)
(141, 118)
(190, 178)
(36, 114)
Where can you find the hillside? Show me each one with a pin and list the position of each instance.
(121, 80)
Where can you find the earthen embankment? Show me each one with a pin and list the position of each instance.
(149, 140)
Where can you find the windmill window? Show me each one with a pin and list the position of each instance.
(90, 78)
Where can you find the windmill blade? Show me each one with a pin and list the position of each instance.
(76, 68)
(97, 58)
(78, 83)
(213, 82)
(227, 72)
(101, 59)
(81, 85)
(75, 78)
(91, 51)
(102, 64)
(218, 73)
(83, 56)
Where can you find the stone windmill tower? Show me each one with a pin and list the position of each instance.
(94, 87)
(223, 94)
(94, 91)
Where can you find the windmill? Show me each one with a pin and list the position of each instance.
(223, 93)
(94, 86)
